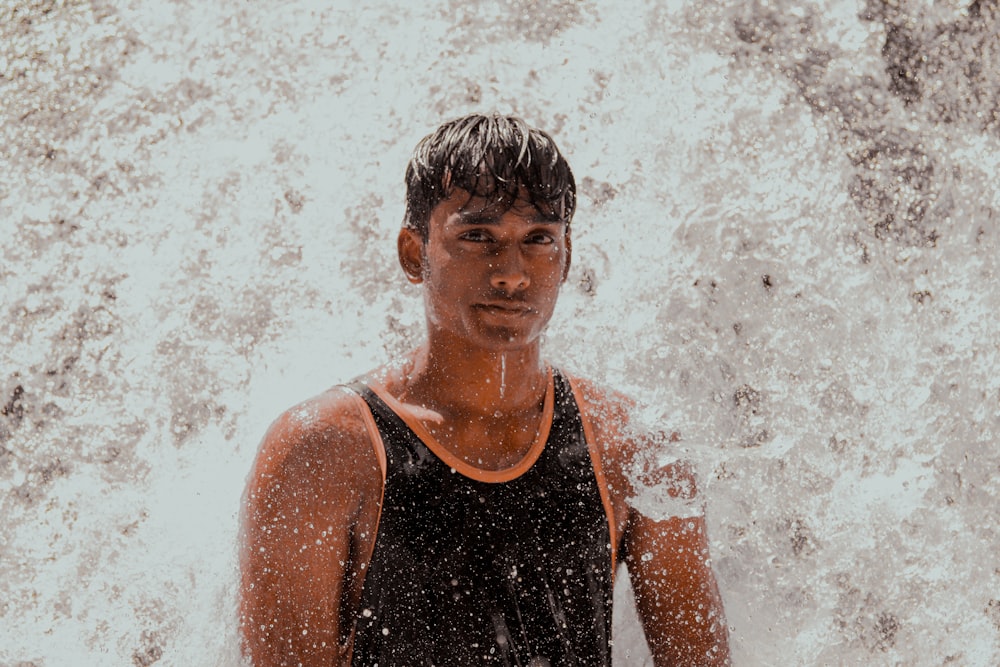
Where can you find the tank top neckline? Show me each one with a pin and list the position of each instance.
(464, 467)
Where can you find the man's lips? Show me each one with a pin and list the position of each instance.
(505, 308)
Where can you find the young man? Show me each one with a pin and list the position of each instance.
(470, 505)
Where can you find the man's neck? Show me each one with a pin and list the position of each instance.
(475, 382)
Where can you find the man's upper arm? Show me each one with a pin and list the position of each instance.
(676, 593)
(313, 490)
(677, 597)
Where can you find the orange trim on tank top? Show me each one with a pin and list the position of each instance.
(463, 467)
(602, 483)
(372, 428)
(346, 650)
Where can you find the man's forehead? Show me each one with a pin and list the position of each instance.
(491, 212)
(468, 207)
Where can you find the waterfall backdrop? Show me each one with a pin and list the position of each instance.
(786, 249)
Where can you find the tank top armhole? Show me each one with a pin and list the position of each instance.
(602, 483)
(346, 650)
(373, 433)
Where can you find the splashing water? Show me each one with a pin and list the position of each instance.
(786, 247)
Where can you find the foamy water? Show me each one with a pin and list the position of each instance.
(786, 248)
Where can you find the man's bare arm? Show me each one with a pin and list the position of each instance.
(676, 593)
(311, 494)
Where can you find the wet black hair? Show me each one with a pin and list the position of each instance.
(499, 158)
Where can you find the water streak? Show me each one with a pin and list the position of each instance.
(503, 374)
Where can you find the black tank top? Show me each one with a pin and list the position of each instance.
(468, 573)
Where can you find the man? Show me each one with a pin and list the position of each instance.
(469, 505)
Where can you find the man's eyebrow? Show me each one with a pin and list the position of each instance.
(473, 217)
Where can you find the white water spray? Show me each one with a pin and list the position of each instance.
(786, 233)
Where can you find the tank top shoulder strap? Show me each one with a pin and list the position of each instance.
(360, 393)
(574, 390)
(396, 439)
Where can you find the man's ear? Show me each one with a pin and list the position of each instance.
(410, 248)
(569, 254)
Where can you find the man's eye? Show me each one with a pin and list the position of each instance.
(476, 236)
(541, 239)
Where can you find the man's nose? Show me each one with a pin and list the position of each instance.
(508, 270)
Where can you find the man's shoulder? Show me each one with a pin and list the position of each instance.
(334, 411)
(619, 422)
(638, 450)
(600, 403)
(329, 428)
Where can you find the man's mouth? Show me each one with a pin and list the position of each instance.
(505, 308)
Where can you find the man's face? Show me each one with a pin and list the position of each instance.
(491, 273)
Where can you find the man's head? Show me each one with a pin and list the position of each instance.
(499, 158)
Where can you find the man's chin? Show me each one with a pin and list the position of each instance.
(507, 338)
